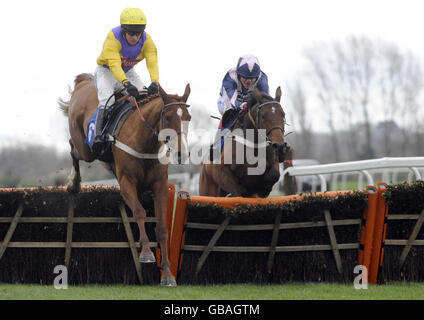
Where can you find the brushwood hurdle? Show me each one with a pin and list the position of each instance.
(91, 233)
(306, 237)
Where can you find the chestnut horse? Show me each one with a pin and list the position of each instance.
(136, 166)
(233, 179)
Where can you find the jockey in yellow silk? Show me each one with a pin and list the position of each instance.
(124, 47)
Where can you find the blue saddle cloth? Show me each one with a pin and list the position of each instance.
(91, 129)
(116, 114)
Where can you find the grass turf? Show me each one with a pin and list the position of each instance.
(307, 291)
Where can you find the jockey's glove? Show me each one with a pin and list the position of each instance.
(131, 89)
(153, 88)
(245, 97)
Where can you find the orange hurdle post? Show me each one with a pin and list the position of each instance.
(169, 216)
(178, 232)
(367, 229)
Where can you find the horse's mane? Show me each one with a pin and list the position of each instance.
(148, 98)
(174, 96)
(252, 101)
(267, 97)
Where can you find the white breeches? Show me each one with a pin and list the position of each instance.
(106, 84)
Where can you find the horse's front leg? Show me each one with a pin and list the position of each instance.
(74, 179)
(128, 186)
(227, 180)
(207, 186)
(160, 191)
(289, 182)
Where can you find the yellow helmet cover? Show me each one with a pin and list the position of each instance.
(133, 16)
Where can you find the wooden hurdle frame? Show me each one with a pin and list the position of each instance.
(70, 220)
(371, 245)
(181, 225)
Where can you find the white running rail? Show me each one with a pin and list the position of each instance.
(410, 164)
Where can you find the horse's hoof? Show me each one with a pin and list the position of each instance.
(147, 258)
(168, 282)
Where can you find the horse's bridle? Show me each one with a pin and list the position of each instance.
(280, 150)
(256, 120)
(161, 116)
(177, 103)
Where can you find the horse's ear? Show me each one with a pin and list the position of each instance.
(278, 94)
(257, 94)
(186, 92)
(163, 94)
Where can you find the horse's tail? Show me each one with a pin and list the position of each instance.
(64, 105)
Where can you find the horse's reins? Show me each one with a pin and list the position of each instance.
(131, 151)
(259, 109)
(134, 101)
(177, 103)
(255, 123)
(161, 116)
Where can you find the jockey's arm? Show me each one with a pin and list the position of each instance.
(229, 86)
(150, 52)
(112, 58)
(262, 84)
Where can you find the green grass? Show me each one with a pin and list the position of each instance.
(308, 291)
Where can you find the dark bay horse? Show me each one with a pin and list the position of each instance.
(222, 178)
(135, 171)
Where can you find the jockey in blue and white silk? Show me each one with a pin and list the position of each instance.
(233, 94)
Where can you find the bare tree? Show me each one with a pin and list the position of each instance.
(345, 72)
(411, 101)
(360, 81)
(324, 91)
(300, 120)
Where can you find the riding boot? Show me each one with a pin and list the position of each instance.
(218, 144)
(215, 146)
(98, 142)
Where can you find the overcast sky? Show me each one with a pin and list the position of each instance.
(45, 44)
